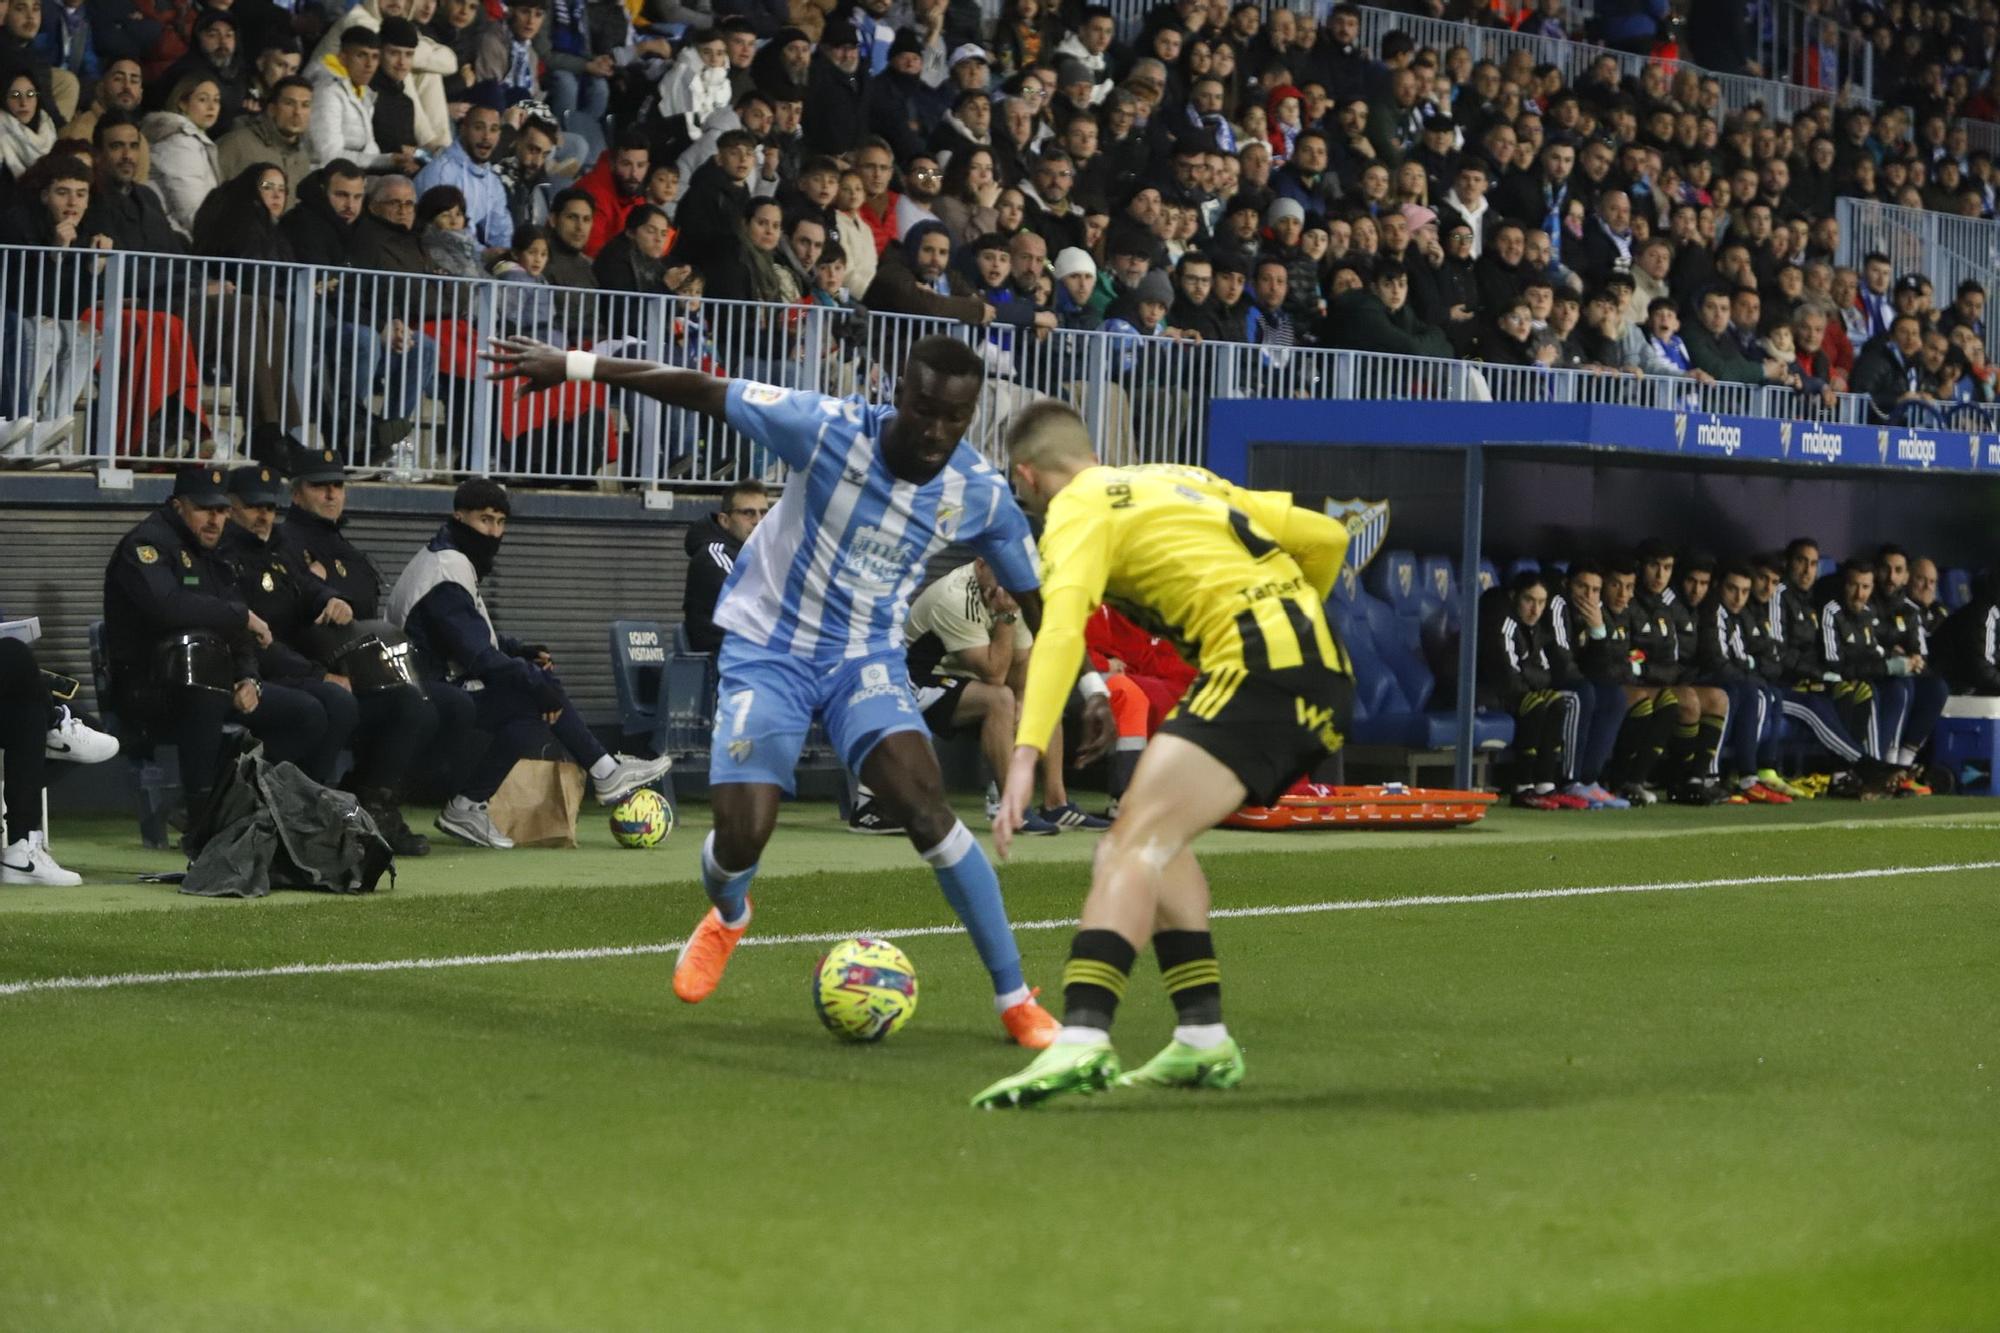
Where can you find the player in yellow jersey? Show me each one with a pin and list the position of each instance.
(1239, 580)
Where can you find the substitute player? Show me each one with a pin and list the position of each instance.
(813, 612)
(1240, 578)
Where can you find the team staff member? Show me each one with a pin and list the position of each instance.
(314, 536)
(1805, 701)
(1241, 577)
(1724, 660)
(1969, 643)
(165, 579)
(1666, 633)
(1651, 708)
(1591, 655)
(1517, 675)
(436, 602)
(1901, 625)
(390, 726)
(712, 548)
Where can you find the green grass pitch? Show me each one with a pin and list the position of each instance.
(1727, 1105)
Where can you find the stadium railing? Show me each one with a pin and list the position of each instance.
(109, 358)
(1944, 248)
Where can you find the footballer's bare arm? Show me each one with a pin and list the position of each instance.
(541, 366)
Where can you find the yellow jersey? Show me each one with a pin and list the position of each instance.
(1238, 579)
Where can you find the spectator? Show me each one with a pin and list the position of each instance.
(616, 185)
(1967, 310)
(752, 269)
(185, 162)
(712, 547)
(215, 56)
(1711, 350)
(524, 173)
(1606, 245)
(386, 236)
(22, 50)
(122, 89)
(717, 198)
(835, 118)
(343, 109)
(1378, 318)
(395, 113)
(1889, 371)
(277, 134)
(448, 243)
(65, 40)
(634, 260)
(901, 106)
(858, 240)
(1053, 211)
(510, 54)
(27, 130)
(1194, 311)
(572, 217)
(468, 166)
(965, 203)
(915, 278)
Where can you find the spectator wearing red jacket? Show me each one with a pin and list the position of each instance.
(616, 185)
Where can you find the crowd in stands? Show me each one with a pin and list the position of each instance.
(1233, 172)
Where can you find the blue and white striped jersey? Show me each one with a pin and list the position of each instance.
(829, 573)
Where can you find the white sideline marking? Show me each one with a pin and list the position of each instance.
(121, 979)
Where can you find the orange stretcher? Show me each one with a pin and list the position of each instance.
(1310, 805)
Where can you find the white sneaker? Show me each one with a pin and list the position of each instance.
(74, 741)
(28, 862)
(468, 821)
(630, 774)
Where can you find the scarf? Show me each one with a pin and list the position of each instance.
(521, 66)
(566, 26)
(475, 546)
(1673, 350)
(21, 146)
(1621, 243)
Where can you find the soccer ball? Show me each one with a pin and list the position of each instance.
(864, 989)
(643, 819)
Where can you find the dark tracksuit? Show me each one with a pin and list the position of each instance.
(308, 540)
(512, 695)
(1968, 647)
(1921, 696)
(1518, 674)
(1595, 667)
(1804, 699)
(711, 553)
(1665, 631)
(162, 582)
(1851, 651)
(1724, 659)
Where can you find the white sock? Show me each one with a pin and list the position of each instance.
(1202, 1036)
(1070, 1036)
(603, 767)
(1905, 756)
(1019, 995)
(1544, 788)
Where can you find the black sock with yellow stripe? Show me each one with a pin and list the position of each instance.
(1193, 978)
(1100, 963)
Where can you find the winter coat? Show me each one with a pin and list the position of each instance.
(186, 165)
(343, 120)
(257, 140)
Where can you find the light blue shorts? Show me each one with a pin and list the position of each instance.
(765, 703)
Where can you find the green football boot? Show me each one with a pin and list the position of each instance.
(1056, 1072)
(1182, 1066)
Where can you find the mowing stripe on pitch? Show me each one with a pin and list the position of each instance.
(122, 979)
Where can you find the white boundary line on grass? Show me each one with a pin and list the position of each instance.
(124, 979)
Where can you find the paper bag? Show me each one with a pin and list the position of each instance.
(537, 805)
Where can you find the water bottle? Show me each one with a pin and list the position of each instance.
(403, 463)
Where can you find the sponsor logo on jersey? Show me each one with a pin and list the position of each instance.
(876, 562)
(764, 395)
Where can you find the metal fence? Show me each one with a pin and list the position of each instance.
(1944, 248)
(110, 358)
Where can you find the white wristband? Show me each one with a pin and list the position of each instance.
(1093, 686)
(580, 366)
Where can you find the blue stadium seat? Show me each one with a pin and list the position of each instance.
(638, 667)
(1489, 576)
(1828, 565)
(1395, 577)
(1393, 685)
(1523, 565)
(1439, 578)
(1957, 587)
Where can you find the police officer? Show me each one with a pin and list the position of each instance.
(436, 601)
(166, 580)
(388, 726)
(313, 535)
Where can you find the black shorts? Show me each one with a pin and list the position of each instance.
(1268, 728)
(937, 700)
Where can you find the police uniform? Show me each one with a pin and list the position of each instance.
(1237, 579)
(162, 583)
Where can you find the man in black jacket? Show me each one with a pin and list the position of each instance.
(1666, 633)
(166, 580)
(835, 91)
(711, 552)
(1801, 693)
(1591, 660)
(436, 601)
(1724, 659)
(1517, 674)
(1195, 309)
(1969, 643)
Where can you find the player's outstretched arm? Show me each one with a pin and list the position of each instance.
(541, 366)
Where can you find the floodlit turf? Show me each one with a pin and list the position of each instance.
(1756, 1106)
